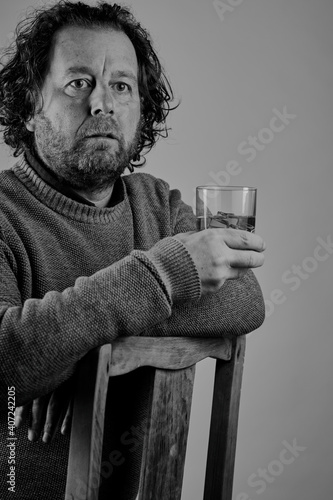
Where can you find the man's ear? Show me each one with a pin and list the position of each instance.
(30, 125)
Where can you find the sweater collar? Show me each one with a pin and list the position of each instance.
(64, 204)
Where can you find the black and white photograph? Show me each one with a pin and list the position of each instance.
(166, 249)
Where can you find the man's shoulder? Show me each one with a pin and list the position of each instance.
(144, 188)
(8, 181)
(152, 199)
(13, 196)
(144, 181)
(6, 174)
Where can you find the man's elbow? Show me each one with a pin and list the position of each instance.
(254, 318)
(254, 312)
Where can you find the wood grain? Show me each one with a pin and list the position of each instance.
(224, 423)
(83, 473)
(166, 437)
(172, 353)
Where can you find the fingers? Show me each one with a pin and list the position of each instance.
(246, 260)
(21, 414)
(38, 411)
(58, 411)
(67, 422)
(222, 254)
(53, 414)
(237, 272)
(234, 249)
(241, 240)
(47, 413)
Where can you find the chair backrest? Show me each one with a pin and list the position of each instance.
(172, 361)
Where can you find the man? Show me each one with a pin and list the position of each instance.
(87, 254)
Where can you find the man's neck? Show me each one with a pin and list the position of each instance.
(100, 199)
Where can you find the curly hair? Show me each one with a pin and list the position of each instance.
(25, 64)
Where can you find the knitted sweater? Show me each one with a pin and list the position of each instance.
(73, 277)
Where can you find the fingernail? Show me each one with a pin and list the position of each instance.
(46, 437)
(32, 436)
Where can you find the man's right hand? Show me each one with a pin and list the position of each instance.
(48, 413)
(222, 254)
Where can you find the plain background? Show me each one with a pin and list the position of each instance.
(231, 67)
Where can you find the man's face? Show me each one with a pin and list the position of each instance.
(88, 128)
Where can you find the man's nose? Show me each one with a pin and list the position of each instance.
(102, 101)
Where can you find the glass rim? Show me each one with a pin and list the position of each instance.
(228, 188)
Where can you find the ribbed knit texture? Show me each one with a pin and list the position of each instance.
(73, 277)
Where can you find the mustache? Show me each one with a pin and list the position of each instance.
(100, 126)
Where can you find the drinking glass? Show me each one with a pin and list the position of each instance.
(226, 207)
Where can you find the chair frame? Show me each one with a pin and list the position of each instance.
(173, 361)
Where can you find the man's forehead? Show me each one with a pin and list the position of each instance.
(76, 46)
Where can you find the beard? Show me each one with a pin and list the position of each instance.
(85, 164)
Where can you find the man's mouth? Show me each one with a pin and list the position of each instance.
(101, 136)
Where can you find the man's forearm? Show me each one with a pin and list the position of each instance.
(41, 341)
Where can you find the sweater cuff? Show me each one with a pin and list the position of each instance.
(175, 269)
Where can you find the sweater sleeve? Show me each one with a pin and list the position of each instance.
(236, 309)
(41, 340)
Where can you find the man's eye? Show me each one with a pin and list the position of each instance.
(122, 87)
(79, 84)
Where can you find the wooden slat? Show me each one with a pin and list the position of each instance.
(165, 442)
(224, 422)
(83, 474)
(172, 353)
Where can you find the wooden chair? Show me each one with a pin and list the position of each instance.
(172, 361)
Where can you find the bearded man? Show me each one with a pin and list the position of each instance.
(86, 253)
